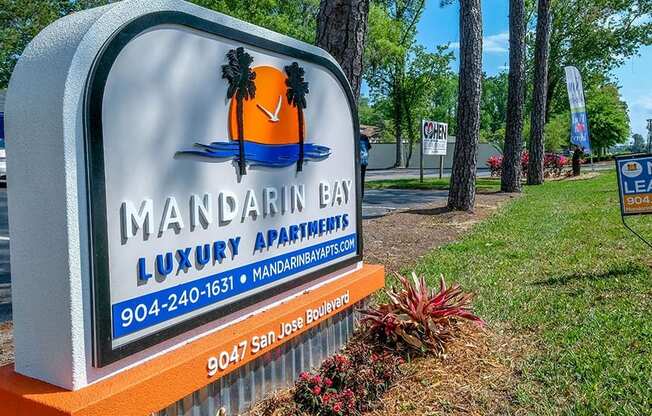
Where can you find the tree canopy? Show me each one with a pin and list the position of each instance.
(405, 80)
(22, 20)
(608, 117)
(596, 36)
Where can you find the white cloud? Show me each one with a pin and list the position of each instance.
(498, 43)
(640, 109)
(643, 103)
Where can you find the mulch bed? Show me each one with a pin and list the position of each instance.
(476, 376)
(6, 343)
(478, 372)
(400, 239)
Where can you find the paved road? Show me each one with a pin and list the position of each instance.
(377, 202)
(5, 289)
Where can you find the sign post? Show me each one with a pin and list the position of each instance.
(201, 187)
(441, 166)
(634, 175)
(423, 136)
(434, 141)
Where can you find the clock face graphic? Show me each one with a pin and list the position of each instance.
(266, 109)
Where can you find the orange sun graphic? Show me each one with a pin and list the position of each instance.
(270, 123)
(268, 118)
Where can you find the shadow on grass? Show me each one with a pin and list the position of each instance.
(629, 268)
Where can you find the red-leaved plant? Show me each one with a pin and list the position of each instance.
(495, 164)
(417, 318)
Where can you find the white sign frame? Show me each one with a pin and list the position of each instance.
(105, 351)
(434, 138)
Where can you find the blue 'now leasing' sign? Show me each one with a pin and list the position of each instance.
(148, 310)
(635, 184)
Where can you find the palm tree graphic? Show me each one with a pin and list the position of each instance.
(241, 85)
(296, 94)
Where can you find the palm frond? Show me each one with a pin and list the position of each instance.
(297, 86)
(239, 74)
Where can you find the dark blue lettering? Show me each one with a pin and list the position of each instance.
(313, 228)
(203, 254)
(218, 251)
(260, 242)
(184, 259)
(164, 269)
(235, 244)
(283, 236)
(330, 224)
(294, 233)
(142, 270)
(272, 234)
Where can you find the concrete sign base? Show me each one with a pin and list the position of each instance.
(153, 386)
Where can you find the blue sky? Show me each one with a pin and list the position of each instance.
(441, 25)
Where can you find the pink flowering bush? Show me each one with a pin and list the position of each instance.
(495, 164)
(347, 384)
(525, 159)
(553, 164)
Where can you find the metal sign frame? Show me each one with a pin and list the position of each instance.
(621, 195)
(442, 157)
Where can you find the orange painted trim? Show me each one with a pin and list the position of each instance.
(163, 380)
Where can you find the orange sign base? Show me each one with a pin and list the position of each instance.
(156, 384)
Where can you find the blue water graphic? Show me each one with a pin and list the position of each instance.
(273, 155)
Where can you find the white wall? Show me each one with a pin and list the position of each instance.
(383, 155)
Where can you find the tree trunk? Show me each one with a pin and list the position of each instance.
(301, 128)
(510, 180)
(541, 52)
(341, 30)
(462, 189)
(553, 82)
(241, 152)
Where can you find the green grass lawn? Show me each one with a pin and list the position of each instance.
(558, 267)
(483, 184)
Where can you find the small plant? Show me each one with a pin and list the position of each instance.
(525, 159)
(417, 318)
(347, 384)
(553, 164)
(495, 164)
